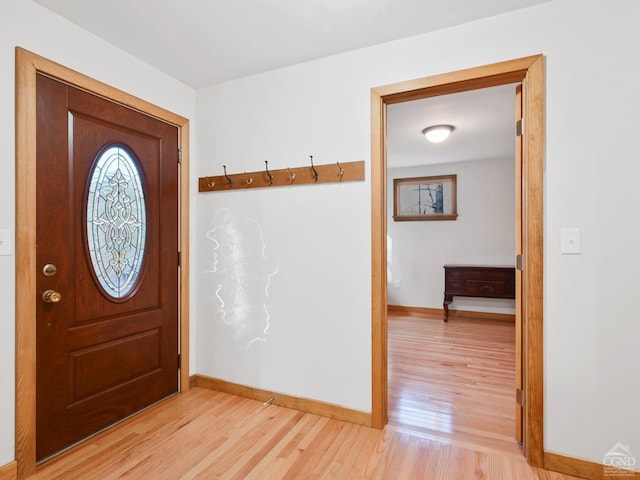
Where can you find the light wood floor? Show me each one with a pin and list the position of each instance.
(204, 434)
(454, 381)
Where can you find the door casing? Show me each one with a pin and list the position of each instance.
(530, 72)
(28, 65)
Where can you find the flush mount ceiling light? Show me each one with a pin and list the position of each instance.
(437, 133)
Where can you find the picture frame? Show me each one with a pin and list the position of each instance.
(425, 198)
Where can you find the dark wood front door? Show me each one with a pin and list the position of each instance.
(107, 259)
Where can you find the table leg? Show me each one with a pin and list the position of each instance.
(448, 298)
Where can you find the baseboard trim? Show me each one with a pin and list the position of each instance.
(297, 403)
(584, 468)
(9, 471)
(507, 317)
(416, 310)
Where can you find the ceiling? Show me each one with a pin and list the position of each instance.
(483, 120)
(203, 42)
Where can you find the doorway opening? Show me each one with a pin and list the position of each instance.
(529, 72)
(454, 380)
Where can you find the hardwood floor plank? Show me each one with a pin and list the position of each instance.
(283, 455)
(384, 466)
(361, 461)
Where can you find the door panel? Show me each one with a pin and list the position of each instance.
(94, 305)
(100, 358)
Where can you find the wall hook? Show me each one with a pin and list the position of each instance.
(266, 166)
(315, 172)
(248, 180)
(227, 176)
(340, 171)
(210, 183)
(292, 176)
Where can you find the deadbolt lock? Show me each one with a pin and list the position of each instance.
(51, 296)
(49, 270)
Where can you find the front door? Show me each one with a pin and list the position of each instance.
(107, 260)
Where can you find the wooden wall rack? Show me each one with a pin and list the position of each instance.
(328, 173)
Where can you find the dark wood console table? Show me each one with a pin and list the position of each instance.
(477, 281)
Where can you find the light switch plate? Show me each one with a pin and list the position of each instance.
(570, 241)
(6, 242)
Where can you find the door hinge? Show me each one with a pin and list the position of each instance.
(519, 262)
(520, 397)
(179, 156)
(519, 127)
(179, 259)
(179, 361)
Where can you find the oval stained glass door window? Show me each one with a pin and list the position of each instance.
(116, 221)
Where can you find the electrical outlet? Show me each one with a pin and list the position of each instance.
(6, 245)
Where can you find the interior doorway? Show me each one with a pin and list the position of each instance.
(528, 71)
(453, 380)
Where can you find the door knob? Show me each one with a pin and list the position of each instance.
(51, 296)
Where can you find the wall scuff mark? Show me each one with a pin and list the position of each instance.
(240, 277)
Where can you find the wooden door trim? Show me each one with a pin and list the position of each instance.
(518, 252)
(28, 65)
(529, 71)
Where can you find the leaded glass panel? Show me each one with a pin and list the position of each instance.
(116, 221)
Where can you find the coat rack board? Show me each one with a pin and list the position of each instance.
(328, 173)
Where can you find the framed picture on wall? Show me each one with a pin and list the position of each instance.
(424, 198)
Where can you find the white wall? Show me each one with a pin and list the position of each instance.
(25, 24)
(483, 234)
(317, 238)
